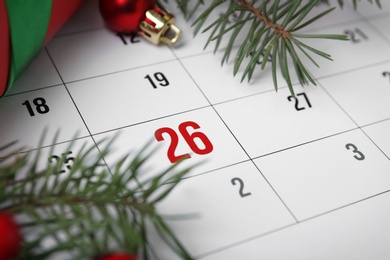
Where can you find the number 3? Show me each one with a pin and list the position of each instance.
(359, 155)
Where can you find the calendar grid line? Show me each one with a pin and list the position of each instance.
(189, 56)
(382, 13)
(208, 100)
(378, 15)
(267, 167)
(249, 95)
(53, 144)
(377, 146)
(377, 122)
(186, 70)
(379, 32)
(118, 71)
(338, 24)
(195, 55)
(360, 18)
(32, 90)
(210, 104)
(290, 226)
(236, 139)
(352, 70)
(353, 120)
(345, 206)
(67, 90)
(238, 243)
(227, 101)
(357, 17)
(147, 121)
(242, 147)
(276, 193)
(305, 143)
(297, 84)
(216, 169)
(205, 52)
(317, 78)
(79, 112)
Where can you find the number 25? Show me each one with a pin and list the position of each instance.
(66, 160)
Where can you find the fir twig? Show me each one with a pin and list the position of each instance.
(88, 210)
(273, 34)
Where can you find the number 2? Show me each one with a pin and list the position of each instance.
(189, 138)
(241, 183)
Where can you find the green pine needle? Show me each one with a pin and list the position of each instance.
(273, 33)
(88, 210)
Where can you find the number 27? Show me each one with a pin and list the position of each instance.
(297, 107)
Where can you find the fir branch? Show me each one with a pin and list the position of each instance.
(89, 210)
(273, 34)
(355, 3)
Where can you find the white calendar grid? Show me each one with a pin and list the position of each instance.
(315, 177)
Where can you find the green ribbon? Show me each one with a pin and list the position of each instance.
(28, 22)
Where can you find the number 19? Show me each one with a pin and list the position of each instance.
(160, 78)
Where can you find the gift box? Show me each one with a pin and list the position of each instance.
(25, 27)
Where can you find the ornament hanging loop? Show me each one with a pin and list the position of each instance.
(158, 27)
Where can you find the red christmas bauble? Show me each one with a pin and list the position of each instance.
(124, 15)
(119, 256)
(10, 237)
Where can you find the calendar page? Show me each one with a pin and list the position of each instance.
(276, 177)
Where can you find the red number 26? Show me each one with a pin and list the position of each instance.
(188, 137)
